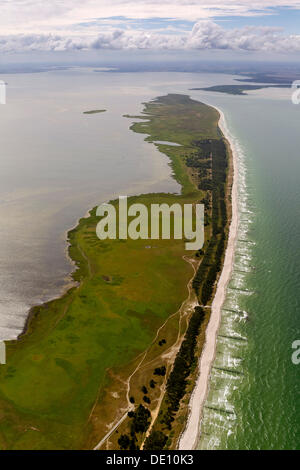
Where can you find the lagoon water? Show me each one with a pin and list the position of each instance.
(56, 163)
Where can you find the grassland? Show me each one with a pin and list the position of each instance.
(71, 375)
(209, 167)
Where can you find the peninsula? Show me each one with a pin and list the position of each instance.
(112, 364)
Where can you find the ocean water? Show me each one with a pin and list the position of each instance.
(254, 401)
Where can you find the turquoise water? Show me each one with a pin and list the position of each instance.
(254, 402)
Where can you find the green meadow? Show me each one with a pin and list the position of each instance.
(60, 370)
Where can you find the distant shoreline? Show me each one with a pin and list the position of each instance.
(95, 111)
(240, 90)
(191, 434)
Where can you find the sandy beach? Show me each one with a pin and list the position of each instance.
(190, 436)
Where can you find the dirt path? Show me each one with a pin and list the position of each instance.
(86, 259)
(170, 354)
(99, 445)
(187, 305)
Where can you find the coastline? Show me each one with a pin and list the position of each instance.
(81, 249)
(190, 435)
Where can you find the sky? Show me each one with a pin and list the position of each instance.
(248, 27)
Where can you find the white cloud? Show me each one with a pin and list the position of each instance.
(40, 15)
(204, 35)
(209, 35)
(27, 25)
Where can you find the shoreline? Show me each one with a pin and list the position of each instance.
(58, 308)
(190, 436)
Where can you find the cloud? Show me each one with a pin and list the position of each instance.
(41, 16)
(36, 25)
(205, 35)
(209, 35)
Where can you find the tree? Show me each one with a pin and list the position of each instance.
(140, 422)
(156, 441)
(124, 442)
(152, 383)
(160, 371)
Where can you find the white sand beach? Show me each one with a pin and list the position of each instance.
(190, 436)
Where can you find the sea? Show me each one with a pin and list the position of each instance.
(57, 162)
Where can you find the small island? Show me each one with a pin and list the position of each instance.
(95, 111)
